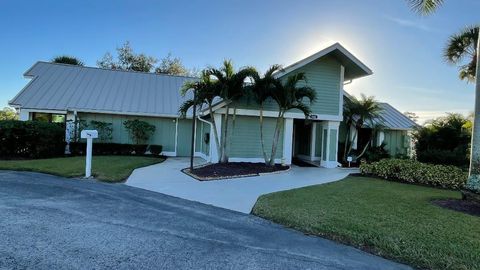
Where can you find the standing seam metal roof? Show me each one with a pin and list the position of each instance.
(68, 87)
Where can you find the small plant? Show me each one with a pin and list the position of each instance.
(104, 129)
(140, 131)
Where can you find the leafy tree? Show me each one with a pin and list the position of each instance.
(262, 89)
(291, 94)
(356, 113)
(173, 66)
(231, 87)
(140, 131)
(444, 140)
(65, 59)
(127, 59)
(426, 7)
(8, 114)
(413, 116)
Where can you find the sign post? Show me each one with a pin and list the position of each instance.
(89, 135)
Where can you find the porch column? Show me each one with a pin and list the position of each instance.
(313, 141)
(214, 158)
(330, 144)
(287, 141)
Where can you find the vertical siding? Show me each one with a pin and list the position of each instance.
(245, 139)
(164, 128)
(323, 75)
(203, 130)
(184, 140)
(396, 142)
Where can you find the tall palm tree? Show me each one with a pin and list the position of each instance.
(66, 59)
(290, 95)
(461, 47)
(205, 92)
(232, 87)
(426, 7)
(357, 113)
(262, 89)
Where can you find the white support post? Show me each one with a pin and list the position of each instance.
(313, 138)
(287, 141)
(89, 135)
(332, 128)
(213, 144)
(24, 115)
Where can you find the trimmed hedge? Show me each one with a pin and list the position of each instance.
(411, 171)
(78, 148)
(31, 139)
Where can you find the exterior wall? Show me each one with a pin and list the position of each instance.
(184, 139)
(397, 142)
(245, 138)
(164, 128)
(324, 75)
(203, 131)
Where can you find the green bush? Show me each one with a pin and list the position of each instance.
(140, 131)
(31, 139)
(411, 171)
(78, 148)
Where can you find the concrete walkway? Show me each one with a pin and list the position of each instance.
(239, 194)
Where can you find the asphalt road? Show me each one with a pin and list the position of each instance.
(49, 222)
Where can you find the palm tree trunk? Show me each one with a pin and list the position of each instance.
(347, 140)
(215, 132)
(276, 136)
(475, 147)
(265, 157)
(224, 157)
(234, 117)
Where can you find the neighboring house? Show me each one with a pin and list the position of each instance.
(59, 93)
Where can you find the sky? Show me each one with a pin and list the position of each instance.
(403, 49)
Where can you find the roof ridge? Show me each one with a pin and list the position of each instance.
(119, 70)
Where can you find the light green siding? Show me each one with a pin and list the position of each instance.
(324, 145)
(164, 128)
(184, 140)
(397, 142)
(332, 156)
(245, 138)
(323, 75)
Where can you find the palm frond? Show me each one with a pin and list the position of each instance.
(304, 108)
(185, 107)
(306, 92)
(425, 7)
(461, 44)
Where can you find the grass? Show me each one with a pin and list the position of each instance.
(389, 219)
(105, 168)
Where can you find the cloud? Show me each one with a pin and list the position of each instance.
(410, 24)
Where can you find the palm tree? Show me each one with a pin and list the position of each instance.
(231, 87)
(460, 47)
(205, 92)
(262, 89)
(426, 7)
(357, 113)
(289, 95)
(69, 60)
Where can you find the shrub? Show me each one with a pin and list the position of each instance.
(78, 148)
(457, 157)
(412, 171)
(31, 139)
(104, 129)
(140, 131)
(155, 149)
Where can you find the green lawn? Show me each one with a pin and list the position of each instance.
(105, 168)
(390, 219)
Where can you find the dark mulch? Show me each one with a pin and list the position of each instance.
(232, 170)
(464, 206)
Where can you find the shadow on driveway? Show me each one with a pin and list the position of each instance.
(49, 222)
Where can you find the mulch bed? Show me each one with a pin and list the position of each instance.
(232, 170)
(464, 206)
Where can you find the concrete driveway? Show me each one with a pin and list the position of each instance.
(239, 194)
(48, 222)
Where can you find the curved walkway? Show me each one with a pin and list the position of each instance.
(49, 222)
(239, 194)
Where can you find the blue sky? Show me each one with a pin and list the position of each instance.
(403, 49)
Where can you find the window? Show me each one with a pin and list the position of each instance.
(48, 117)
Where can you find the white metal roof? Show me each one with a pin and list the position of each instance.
(68, 87)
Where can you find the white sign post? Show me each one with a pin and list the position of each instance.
(89, 135)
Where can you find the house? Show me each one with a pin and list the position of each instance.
(62, 93)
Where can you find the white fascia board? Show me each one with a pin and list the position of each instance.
(126, 113)
(248, 112)
(320, 54)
